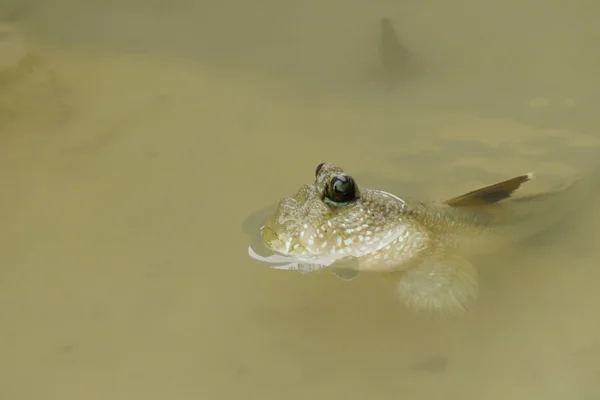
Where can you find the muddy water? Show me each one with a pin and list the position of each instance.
(137, 138)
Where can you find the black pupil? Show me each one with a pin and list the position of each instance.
(342, 189)
(342, 185)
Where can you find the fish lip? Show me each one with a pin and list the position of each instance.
(287, 263)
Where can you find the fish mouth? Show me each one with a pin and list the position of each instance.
(288, 263)
(287, 255)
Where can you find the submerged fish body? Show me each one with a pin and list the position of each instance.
(425, 246)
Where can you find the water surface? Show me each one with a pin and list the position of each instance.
(137, 137)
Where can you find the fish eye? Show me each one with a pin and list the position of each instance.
(341, 190)
(319, 169)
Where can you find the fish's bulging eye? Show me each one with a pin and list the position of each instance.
(341, 189)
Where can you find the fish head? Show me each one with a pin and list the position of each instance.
(334, 218)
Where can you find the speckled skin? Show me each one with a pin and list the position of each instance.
(424, 246)
(373, 228)
(383, 231)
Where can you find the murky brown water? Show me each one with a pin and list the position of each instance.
(138, 136)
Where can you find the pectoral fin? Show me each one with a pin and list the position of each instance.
(442, 282)
(489, 194)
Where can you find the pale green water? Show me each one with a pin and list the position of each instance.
(145, 134)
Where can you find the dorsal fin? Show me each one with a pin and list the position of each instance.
(393, 54)
(489, 194)
(397, 61)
